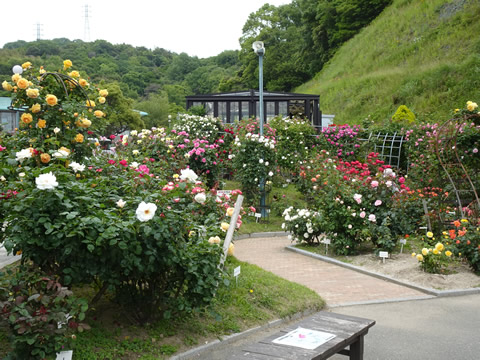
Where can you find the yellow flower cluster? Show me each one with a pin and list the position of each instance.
(437, 250)
(471, 106)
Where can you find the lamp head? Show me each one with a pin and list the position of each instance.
(17, 69)
(258, 47)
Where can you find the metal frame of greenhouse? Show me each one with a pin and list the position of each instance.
(239, 105)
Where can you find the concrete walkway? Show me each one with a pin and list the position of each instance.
(6, 259)
(338, 286)
(440, 328)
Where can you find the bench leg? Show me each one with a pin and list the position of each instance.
(356, 349)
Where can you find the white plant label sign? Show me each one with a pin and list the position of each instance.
(383, 255)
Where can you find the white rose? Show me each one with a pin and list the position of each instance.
(121, 203)
(188, 174)
(145, 211)
(23, 154)
(200, 198)
(46, 181)
(76, 166)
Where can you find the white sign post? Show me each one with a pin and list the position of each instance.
(383, 255)
(326, 242)
(236, 272)
(231, 229)
(402, 242)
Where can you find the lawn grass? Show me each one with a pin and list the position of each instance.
(279, 198)
(257, 298)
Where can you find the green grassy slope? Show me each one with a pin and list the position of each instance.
(424, 54)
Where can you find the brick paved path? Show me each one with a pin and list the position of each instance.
(336, 285)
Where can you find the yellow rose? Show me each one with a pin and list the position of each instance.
(98, 113)
(214, 240)
(448, 253)
(15, 77)
(231, 249)
(26, 118)
(103, 92)
(33, 93)
(439, 247)
(83, 83)
(67, 64)
(471, 105)
(7, 86)
(45, 158)
(74, 74)
(425, 251)
(90, 103)
(36, 108)
(464, 221)
(83, 122)
(79, 138)
(51, 100)
(41, 124)
(419, 257)
(63, 148)
(435, 252)
(101, 100)
(22, 83)
(225, 226)
(230, 211)
(429, 234)
(27, 65)
(42, 71)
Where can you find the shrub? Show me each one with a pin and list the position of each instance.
(403, 115)
(295, 138)
(42, 314)
(465, 236)
(254, 158)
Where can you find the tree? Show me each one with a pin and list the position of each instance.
(120, 115)
(157, 107)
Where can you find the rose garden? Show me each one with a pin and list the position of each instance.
(138, 219)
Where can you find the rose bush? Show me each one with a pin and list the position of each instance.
(254, 158)
(42, 314)
(133, 219)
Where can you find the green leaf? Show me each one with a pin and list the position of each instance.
(122, 245)
(90, 247)
(72, 215)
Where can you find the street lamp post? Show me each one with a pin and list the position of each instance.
(259, 49)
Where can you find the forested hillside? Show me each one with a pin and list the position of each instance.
(422, 54)
(299, 37)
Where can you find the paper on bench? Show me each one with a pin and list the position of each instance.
(304, 338)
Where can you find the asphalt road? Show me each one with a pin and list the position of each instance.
(446, 328)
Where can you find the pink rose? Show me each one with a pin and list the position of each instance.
(374, 183)
(363, 214)
(378, 202)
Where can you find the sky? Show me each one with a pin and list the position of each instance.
(200, 28)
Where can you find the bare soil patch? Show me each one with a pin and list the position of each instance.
(405, 268)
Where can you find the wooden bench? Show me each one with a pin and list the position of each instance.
(348, 330)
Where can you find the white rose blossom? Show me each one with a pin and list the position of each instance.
(188, 174)
(77, 167)
(200, 198)
(145, 211)
(23, 154)
(120, 203)
(46, 181)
